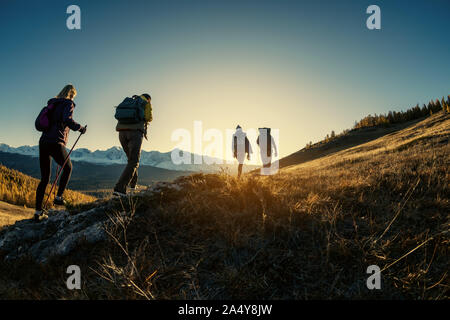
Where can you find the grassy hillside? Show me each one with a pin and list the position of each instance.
(341, 142)
(20, 189)
(309, 232)
(365, 130)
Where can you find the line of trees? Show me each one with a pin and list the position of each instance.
(403, 116)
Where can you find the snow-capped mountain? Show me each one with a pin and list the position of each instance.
(24, 150)
(115, 155)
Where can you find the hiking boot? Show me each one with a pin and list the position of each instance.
(59, 201)
(39, 216)
(119, 193)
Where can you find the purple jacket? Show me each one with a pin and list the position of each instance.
(61, 120)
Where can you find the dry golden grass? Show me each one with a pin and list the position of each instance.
(10, 213)
(308, 232)
(19, 189)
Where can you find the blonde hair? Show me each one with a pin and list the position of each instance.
(68, 92)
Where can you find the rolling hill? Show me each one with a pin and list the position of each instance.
(367, 129)
(347, 140)
(308, 232)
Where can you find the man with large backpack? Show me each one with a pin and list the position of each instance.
(241, 146)
(133, 116)
(267, 146)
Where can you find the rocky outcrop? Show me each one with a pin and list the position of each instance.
(62, 232)
(57, 235)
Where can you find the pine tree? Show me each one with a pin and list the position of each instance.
(390, 117)
(429, 107)
(438, 105)
(444, 104)
(424, 111)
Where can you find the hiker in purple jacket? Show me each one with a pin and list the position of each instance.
(53, 145)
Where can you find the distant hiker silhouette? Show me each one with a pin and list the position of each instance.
(241, 146)
(54, 121)
(133, 116)
(267, 148)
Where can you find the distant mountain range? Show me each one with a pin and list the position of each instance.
(115, 155)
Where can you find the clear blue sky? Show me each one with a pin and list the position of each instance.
(305, 67)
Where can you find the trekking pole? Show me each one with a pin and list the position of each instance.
(54, 191)
(60, 169)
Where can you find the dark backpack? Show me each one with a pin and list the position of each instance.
(131, 110)
(43, 121)
(247, 146)
(269, 142)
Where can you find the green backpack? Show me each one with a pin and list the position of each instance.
(131, 110)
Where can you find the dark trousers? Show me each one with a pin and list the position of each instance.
(58, 152)
(131, 142)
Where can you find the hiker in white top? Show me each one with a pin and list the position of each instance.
(241, 146)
